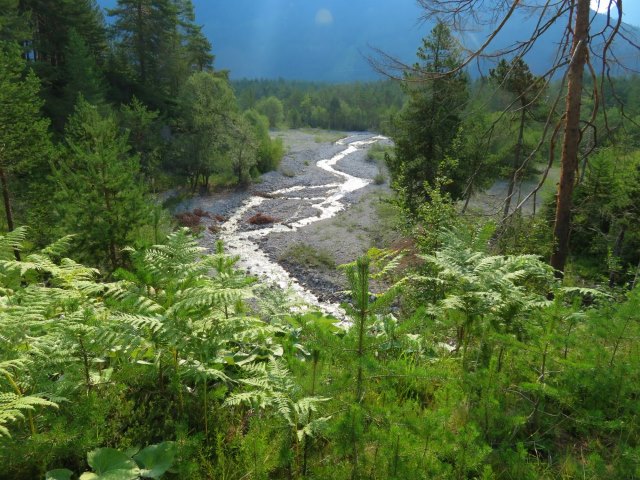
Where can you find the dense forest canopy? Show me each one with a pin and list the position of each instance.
(495, 337)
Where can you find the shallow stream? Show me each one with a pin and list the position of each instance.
(326, 200)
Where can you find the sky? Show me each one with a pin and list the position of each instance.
(325, 40)
(631, 9)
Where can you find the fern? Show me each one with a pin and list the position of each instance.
(13, 408)
(14, 405)
(472, 289)
(273, 389)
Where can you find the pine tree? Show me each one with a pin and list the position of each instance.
(516, 78)
(83, 74)
(24, 137)
(197, 48)
(430, 122)
(144, 134)
(144, 30)
(14, 24)
(53, 20)
(100, 198)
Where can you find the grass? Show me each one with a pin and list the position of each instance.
(324, 136)
(376, 153)
(550, 187)
(222, 180)
(287, 172)
(309, 256)
(379, 179)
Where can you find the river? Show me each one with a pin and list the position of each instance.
(326, 201)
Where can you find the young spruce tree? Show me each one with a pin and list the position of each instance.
(429, 123)
(100, 197)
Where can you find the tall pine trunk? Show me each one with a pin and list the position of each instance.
(141, 42)
(571, 141)
(7, 199)
(8, 209)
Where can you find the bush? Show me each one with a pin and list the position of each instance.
(287, 172)
(261, 219)
(190, 220)
(201, 213)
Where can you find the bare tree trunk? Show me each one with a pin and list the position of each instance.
(571, 141)
(516, 165)
(7, 205)
(7, 199)
(466, 203)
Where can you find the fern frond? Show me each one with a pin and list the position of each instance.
(12, 242)
(12, 408)
(59, 247)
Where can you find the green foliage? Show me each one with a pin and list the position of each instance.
(99, 197)
(607, 204)
(143, 134)
(271, 108)
(14, 405)
(516, 78)
(57, 27)
(83, 74)
(359, 106)
(155, 460)
(270, 151)
(108, 463)
(14, 25)
(304, 254)
(467, 365)
(24, 139)
(212, 136)
(472, 384)
(428, 125)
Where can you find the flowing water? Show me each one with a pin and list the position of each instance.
(327, 202)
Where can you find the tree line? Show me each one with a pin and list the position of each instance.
(296, 104)
(96, 117)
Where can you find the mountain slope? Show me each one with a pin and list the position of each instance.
(328, 40)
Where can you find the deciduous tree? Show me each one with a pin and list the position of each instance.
(207, 108)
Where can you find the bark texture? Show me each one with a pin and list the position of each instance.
(571, 141)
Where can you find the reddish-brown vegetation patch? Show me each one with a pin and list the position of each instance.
(261, 219)
(188, 219)
(201, 213)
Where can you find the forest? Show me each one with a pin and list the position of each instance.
(495, 337)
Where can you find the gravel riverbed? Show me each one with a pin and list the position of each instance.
(294, 196)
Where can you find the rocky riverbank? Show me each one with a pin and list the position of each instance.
(326, 211)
